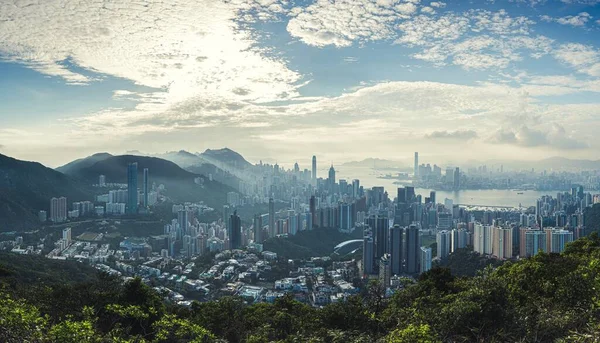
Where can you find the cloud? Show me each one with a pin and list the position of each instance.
(461, 135)
(583, 58)
(475, 39)
(574, 20)
(341, 23)
(556, 138)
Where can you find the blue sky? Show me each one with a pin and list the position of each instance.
(282, 79)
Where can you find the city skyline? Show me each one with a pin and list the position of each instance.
(508, 79)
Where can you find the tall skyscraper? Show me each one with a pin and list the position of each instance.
(425, 259)
(132, 188)
(66, 235)
(314, 169)
(559, 239)
(102, 181)
(272, 228)
(368, 255)
(385, 270)
(482, 239)
(432, 197)
(443, 244)
(396, 249)
(460, 239)
(331, 179)
(355, 188)
(313, 212)
(257, 226)
(416, 167)
(183, 221)
(413, 245)
(457, 178)
(235, 231)
(145, 187)
(379, 225)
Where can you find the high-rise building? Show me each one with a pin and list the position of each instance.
(502, 243)
(460, 239)
(457, 178)
(132, 188)
(384, 270)
(183, 220)
(257, 226)
(368, 255)
(145, 186)
(535, 240)
(443, 239)
(482, 239)
(66, 235)
(379, 225)
(432, 197)
(416, 167)
(396, 249)
(42, 216)
(314, 169)
(102, 181)
(413, 245)
(313, 212)
(58, 209)
(331, 180)
(425, 259)
(235, 231)
(559, 239)
(355, 188)
(272, 228)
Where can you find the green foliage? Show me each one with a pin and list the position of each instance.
(546, 298)
(308, 243)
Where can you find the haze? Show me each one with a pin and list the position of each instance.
(287, 79)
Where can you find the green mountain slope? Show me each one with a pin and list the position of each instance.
(181, 185)
(77, 165)
(27, 187)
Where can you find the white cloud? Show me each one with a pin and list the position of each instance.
(342, 22)
(574, 20)
(524, 136)
(583, 58)
(453, 135)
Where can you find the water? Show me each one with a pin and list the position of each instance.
(485, 197)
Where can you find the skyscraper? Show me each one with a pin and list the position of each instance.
(413, 245)
(258, 229)
(416, 167)
(396, 249)
(457, 178)
(502, 243)
(272, 229)
(314, 169)
(331, 179)
(145, 187)
(313, 212)
(443, 244)
(183, 221)
(102, 181)
(132, 188)
(379, 227)
(384, 270)
(425, 259)
(235, 231)
(355, 188)
(368, 255)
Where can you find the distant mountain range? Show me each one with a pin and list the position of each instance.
(180, 184)
(27, 187)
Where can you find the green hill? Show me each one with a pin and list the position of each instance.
(27, 187)
(75, 166)
(180, 184)
(226, 156)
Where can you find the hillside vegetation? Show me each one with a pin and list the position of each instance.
(27, 187)
(547, 298)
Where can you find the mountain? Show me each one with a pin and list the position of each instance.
(81, 163)
(27, 187)
(182, 158)
(226, 156)
(181, 185)
(374, 163)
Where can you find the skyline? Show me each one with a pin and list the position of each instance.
(505, 79)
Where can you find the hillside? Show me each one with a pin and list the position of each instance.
(374, 163)
(226, 156)
(27, 187)
(182, 158)
(179, 183)
(77, 165)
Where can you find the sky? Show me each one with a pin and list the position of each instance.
(286, 79)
